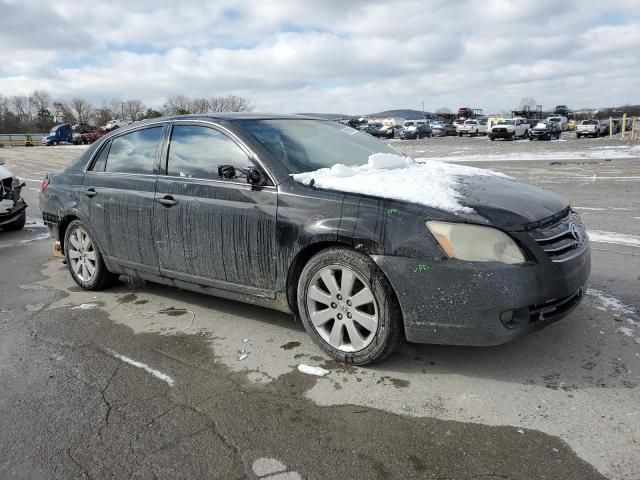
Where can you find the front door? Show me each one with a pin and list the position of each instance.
(117, 198)
(210, 230)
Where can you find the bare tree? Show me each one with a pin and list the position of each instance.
(20, 105)
(40, 100)
(103, 114)
(199, 105)
(178, 105)
(229, 103)
(81, 109)
(134, 110)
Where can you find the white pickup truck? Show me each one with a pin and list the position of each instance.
(591, 128)
(473, 128)
(510, 129)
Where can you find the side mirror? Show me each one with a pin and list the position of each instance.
(227, 172)
(256, 177)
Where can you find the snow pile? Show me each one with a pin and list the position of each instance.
(309, 370)
(426, 182)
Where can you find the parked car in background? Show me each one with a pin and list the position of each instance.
(591, 128)
(510, 129)
(473, 128)
(413, 129)
(237, 208)
(62, 133)
(13, 209)
(571, 126)
(389, 131)
(560, 119)
(544, 130)
(373, 129)
(458, 122)
(443, 130)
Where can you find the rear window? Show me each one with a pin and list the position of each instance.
(134, 152)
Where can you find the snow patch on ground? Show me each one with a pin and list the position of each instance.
(85, 306)
(156, 373)
(615, 238)
(424, 181)
(594, 153)
(621, 310)
(309, 370)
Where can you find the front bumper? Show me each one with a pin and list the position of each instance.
(482, 303)
(501, 133)
(408, 135)
(544, 135)
(8, 216)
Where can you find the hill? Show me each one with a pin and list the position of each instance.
(404, 113)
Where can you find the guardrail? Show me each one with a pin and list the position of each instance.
(20, 139)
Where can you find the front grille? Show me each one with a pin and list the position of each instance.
(555, 307)
(563, 239)
(499, 130)
(6, 183)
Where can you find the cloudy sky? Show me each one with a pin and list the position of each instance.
(327, 56)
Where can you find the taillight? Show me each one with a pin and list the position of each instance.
(45, 184)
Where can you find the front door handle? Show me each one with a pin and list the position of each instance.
(90, 192)
(167, 201)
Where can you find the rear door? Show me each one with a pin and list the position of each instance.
(210, 230)
(117, 197)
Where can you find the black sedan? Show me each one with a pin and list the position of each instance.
(212, 204)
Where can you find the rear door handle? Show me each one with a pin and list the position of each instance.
(167, 201)
(90, 192)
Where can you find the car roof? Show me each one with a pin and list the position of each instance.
(232, 116)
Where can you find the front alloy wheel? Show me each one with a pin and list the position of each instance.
(348, 307)
(342, 308)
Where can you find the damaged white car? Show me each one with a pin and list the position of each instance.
(13, 209)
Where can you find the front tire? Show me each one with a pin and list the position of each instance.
(84, 259)
(348, 307)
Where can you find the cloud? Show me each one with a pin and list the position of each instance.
(337, 56)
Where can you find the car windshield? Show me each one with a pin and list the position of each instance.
(308, 145)
(408, 124)
(506, 122)
(470, 122)
(554, 119)
(589, 122)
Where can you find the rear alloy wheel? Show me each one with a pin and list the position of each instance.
(84, 259)
(348, 307)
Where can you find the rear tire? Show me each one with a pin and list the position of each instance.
(84, 259)
(348, 307)
(17, 224)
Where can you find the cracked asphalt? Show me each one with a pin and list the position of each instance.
(143, 381)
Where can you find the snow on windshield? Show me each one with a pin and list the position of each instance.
(430, 182)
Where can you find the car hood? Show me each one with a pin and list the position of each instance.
(506, 202)
(4, 173)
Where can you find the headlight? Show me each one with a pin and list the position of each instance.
(475, 243)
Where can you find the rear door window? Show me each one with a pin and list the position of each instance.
(197, 152)
(134, 152)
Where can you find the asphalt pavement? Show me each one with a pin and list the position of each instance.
(145, 381)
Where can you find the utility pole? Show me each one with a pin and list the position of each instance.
(423, 109)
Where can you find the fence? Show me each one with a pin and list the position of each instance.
(20, 139)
